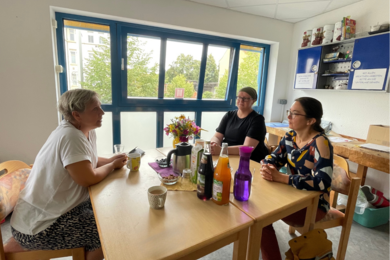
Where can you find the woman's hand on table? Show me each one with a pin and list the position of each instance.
(119, 160)
(270, 173)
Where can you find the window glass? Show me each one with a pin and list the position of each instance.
(73, 57)
(71, 34)
(182, 67)
(167, 140)
(248, 68)
(74, 79)
(143, 59)
(104, 136)
(217, 73)
(210, 122)
(94, 60)
(138, 129)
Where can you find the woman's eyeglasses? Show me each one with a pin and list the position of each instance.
(293, 114)
(243, 99)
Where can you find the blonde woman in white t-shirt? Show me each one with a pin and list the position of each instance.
(53, 210)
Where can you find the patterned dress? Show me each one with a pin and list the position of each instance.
(309, 167)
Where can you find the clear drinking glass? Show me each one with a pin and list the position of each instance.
(118, 148)
(186, 173)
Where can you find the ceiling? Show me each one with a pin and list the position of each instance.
(291, 11)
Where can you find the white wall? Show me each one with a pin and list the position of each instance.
(27, 88)
(350, 112)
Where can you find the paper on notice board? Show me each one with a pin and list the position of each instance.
(369, 79)
(304, 80)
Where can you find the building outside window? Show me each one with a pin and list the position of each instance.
(71, 34)
(74, 79)
(73, 57)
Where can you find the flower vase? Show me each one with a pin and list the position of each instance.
(179, 139)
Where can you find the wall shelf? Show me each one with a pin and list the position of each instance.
(336, 61)
(335, 75)
(365, 68)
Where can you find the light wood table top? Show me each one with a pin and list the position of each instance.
(350, 150)
(269, 202)
(268, 199)
(187, 226)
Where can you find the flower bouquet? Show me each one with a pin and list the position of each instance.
(182, 129)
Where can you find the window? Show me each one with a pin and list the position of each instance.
(73, 57)
(182, 68)
(94, 66)
(71, 34)
(143, 62)
(248, 68)
(74, 79)
(217, 73)
(139, 79)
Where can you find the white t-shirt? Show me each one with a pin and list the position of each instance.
(50, 191)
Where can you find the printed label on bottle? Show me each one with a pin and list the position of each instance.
(201, 184)
(217, 190)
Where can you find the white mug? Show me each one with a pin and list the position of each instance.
(157, 196)
(134, 162)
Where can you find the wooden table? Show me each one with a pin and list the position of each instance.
(187, 228)
(269, 202)
(365, 158)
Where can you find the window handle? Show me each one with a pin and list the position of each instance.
(123, 64)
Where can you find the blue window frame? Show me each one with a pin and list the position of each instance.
(121, 103)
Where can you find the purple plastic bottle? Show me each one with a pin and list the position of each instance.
(243, 176)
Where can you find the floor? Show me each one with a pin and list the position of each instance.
(364, 243)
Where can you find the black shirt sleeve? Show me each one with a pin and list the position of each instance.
(222, 125)
(257, 129)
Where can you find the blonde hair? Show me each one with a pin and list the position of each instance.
(75, 100)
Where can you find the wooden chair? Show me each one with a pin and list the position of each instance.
(12, 250)
(341, 183)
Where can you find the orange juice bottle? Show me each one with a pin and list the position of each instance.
(222, 178)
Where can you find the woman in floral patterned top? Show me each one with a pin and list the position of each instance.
(309, 157)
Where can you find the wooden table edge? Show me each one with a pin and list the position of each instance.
(98, 225)
(300, 204)
(209, 242)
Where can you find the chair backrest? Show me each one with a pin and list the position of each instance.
(10, 166)
(341, 178)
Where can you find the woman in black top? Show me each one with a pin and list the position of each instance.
(243, 126)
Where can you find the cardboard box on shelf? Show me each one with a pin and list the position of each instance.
(378, 134)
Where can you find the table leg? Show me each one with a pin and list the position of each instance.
(361, 173)
(310, 218)
(255, 234)
(241, 245)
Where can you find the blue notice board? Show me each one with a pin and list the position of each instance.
(370, 63)
(307, 68)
